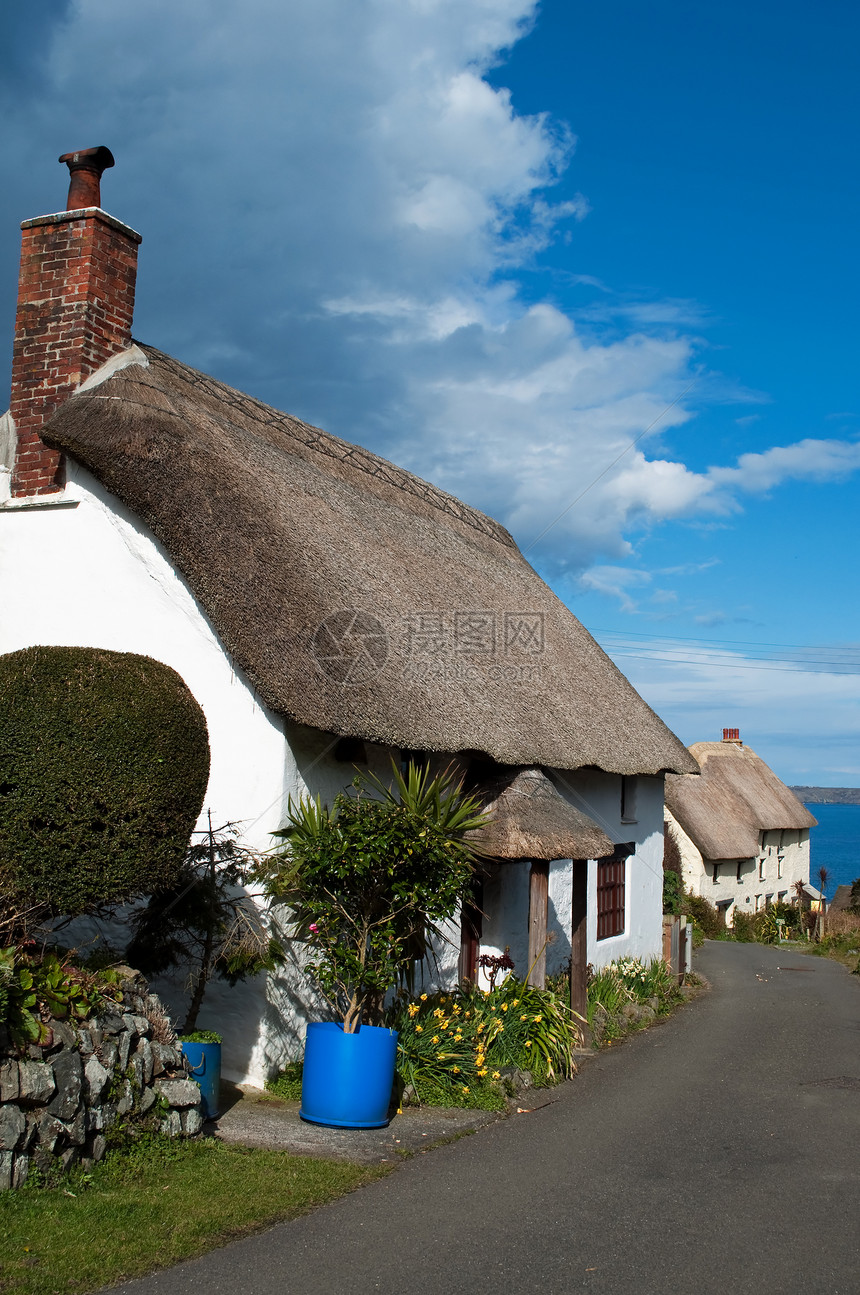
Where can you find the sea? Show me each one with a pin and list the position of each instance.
(835, 844)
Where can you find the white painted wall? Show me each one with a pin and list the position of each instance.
(506, 895)
(84, 571)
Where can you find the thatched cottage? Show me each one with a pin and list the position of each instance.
(326, 609)
(737, 834)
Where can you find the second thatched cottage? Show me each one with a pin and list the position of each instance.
(326, 609)
(736, 833)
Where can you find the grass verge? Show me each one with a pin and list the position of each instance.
(152, 1205)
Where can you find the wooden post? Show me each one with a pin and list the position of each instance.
(579, 945)
(538, 911)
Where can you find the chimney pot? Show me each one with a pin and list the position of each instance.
(85, 168)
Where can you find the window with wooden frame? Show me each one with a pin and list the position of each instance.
(610, 897)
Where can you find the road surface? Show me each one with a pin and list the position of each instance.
(717, 1152)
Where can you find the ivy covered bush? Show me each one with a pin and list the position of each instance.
(104, 762)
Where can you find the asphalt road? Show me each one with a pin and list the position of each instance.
(717, 1152)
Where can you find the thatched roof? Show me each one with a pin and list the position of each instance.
(530, 820)
(357, 598)
(842, 900)
(736, 798)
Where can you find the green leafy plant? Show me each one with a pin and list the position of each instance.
(673, 893)
(36, 990)
(369, 881)
(205, 921)
(201, 1036)
(104, 760)
(705, 916)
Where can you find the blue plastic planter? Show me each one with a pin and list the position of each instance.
(205, 1062)
(347, 1078)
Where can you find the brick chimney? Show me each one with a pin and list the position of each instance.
(732, 735)
(75, 305)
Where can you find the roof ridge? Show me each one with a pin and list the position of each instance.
(316, 438)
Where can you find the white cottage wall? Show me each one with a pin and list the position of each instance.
(82, 570)
(506, 895)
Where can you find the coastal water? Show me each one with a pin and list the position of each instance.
(835, 844)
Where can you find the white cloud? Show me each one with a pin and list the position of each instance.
(335, 206)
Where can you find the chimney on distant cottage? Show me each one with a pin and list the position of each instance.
(732, 735)
(75, 306)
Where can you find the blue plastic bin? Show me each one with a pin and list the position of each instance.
(205, 1062)
(347, 1078)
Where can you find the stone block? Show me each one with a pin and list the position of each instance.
(13, 1125)
(9, 1087)
(171, 1124)
(192, 1122)
(179, 1092)
(68, 1075)
(124, 1042)
(7, 1161)
(36, 1082)
(20, 1170)
(126, 1098)
(108, 1053)
(64, 1035)
(97, 1079)
(148, 1098)
(141, 1025)
(136, 1064)
(144, 1051)
(85, 1042)
(52, 1133)
(97, 1147)
(111, 1023)
(76, 1129)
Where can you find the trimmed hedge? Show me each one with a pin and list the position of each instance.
(104, 763)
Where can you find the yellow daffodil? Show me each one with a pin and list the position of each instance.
(496, 1075)
(423, 998)
(538, 1019)
(528, 1043)
(456, 1069)
(456, 1010)
(400, 1110)
(524, 1017)
(419, 1029)
(482, 1072)
(435, 1039)
(465, 1088)
(516, 1002)
(504, 1007)
(443, 999)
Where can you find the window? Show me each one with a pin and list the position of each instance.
(782, 896)
(757, 902)
(716, 874)
(628, 800)
(761, 869)
(610, 897)
(740, 872)
(779, 861)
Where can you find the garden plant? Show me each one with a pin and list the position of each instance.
(369, 882)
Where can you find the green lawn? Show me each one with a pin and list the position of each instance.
(152, 1206)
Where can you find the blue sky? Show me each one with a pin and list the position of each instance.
(587, 262)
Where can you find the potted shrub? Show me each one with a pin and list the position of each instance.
(202, 1051)
(368, 883)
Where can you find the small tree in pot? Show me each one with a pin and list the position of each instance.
(370, 881)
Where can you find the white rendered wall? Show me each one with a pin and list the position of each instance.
(88, 573)
(506, 895)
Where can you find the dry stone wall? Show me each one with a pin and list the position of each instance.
(94, 1082)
